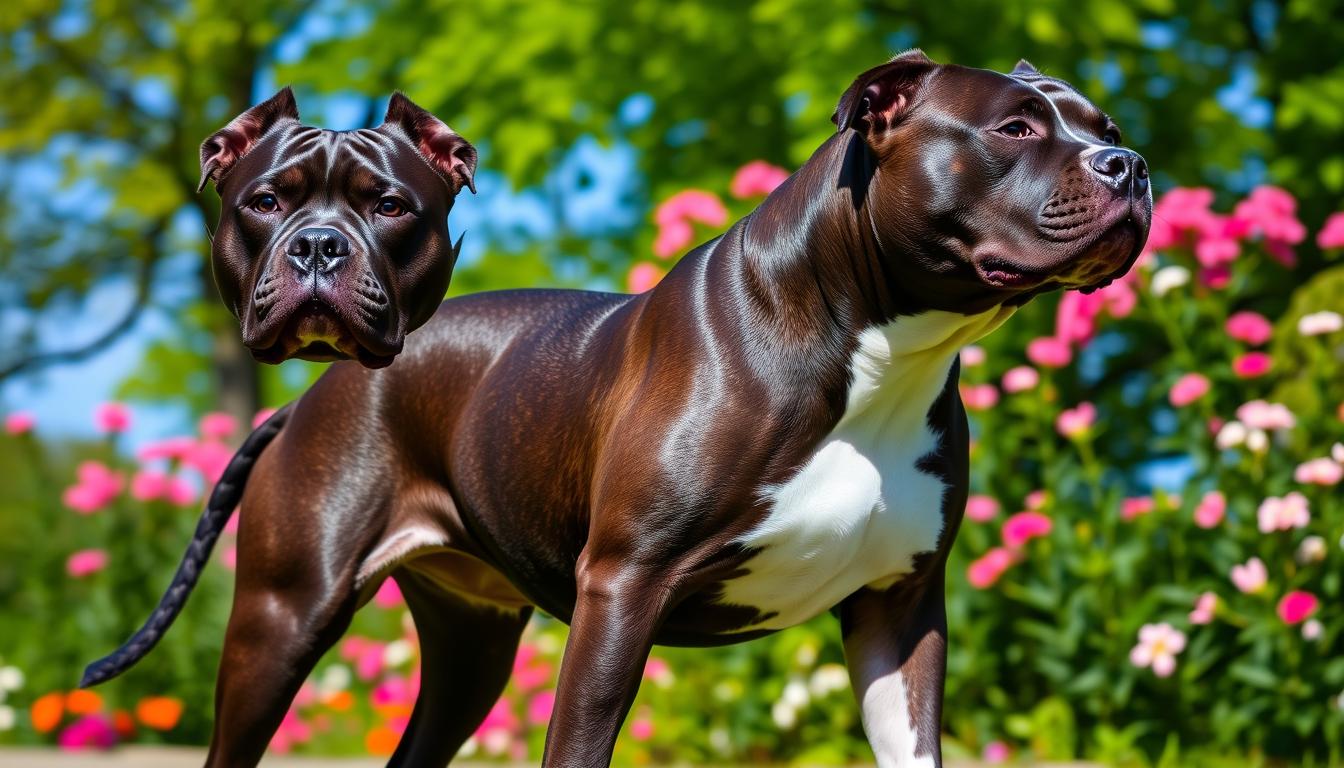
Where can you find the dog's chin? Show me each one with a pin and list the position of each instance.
(314, 332)
(1101, 258)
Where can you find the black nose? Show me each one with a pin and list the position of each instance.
(1122, 169)
(317, 249)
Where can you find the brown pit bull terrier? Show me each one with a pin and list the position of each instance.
(772, 432)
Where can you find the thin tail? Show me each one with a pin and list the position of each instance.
(223, 500)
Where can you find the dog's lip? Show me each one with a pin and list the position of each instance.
(1003, 273)
(316, 331)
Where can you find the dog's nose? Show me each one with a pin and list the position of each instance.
(1121, 169)
(317, 249)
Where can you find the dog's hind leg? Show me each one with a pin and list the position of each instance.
(466, 655)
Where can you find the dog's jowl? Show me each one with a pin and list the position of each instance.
(771, 432)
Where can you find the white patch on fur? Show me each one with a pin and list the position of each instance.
(859, 510)
(888, 723)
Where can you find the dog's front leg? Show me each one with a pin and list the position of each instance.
(896, 650)
(617, 613)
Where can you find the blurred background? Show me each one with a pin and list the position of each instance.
(1151, 569)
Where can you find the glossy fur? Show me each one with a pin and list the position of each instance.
(771, 432)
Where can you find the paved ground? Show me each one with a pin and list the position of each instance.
(163, 757)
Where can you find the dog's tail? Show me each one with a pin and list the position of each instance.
(223, 500)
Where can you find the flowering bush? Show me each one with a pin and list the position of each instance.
(1149, 568)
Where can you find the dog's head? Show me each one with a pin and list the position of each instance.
(334, 244)
(991, 188)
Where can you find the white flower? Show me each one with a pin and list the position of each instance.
(1158, 646)
(1168, 278)
(828, 679)
(784, 715)
(1257, 441)
(1312, 630)
(1337, 452)
(806, 655)
(335, 679)
(6, 718)
(721, 740)
(11, 679)
(1231, 435)
(1311, 550)
(1319, 323)
(397, 652)
(795, 693)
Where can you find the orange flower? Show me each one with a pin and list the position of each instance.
(83, 702)
(159, 712)
(380, 741)
(341, 701)
(123, 723)
(390, 711)
(47, 712)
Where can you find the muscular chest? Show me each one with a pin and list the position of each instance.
(868, 499)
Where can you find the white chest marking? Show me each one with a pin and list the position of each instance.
(889, 725)
(860, 509)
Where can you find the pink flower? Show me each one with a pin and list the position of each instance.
(148, 485)
(756, 179)
(293, 730)
(96, 486)
(1037, 499)
(641, 727)
(172, 448)
(261, 417)
(979, 397)
(1258, 414)
(1272, 212)
(1025, 526)
(179, 492)
(388, 595)
(232, 525)
(996, 752)
(642, 277)
(19, 423)
(1251, 576)
(1049, 352)
(529, 670)
(209, 458)
(366, 654)
(1205, 605)
(1136, 507)
(1075, 320)
(982, 509)
(217, 425)
(659, 671)
(1210, 510)
(111, 418)
(1252, 365)
(672, 238)
(1185, 207)
(1158, 647)
(1332, 234)
(1076, 422)
(1020, 379)
(986, 569)
(1297, 606)
(540, 706)
(1283, 513)
(1188, 389)
(86, 562)
(1214, 252)
(972, 356)
(1250, 327)
(229, 558)
(88, 732)
(495, 733)
(1322, 471)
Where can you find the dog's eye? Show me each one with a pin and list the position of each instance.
(390, 206)
(1016, 130)
(1111, 137)
(265, 203)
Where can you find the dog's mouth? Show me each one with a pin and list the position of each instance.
(314, 331)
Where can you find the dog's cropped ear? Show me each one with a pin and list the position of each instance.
(449, 153)
(225, 147)
(1024, 67)
(880, 97)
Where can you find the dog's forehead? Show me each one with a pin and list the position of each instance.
(304, 152)
(986, 94)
